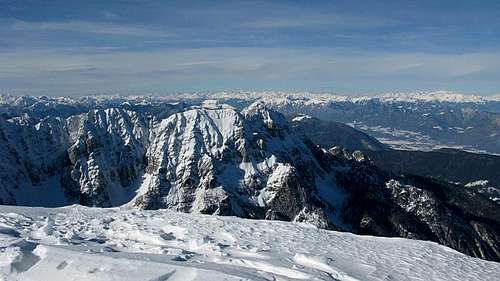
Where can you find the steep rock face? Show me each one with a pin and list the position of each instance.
(30, 151)
(108, 155)
(224, 162)
(476, 171)
(92, 159)
(420, 208)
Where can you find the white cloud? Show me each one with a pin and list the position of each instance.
(59, 72)
(104, 28)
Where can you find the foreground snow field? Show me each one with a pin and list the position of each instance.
(80, 243)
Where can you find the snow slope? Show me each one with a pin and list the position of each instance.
(80, 243)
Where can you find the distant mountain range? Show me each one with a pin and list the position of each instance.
(214, 158)
(426, 122)
(410, 121)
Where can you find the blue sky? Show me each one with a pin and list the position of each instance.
(346, 47)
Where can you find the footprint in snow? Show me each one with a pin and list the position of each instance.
(321, 265)
(62, 265)
(168, 236)
(183, 257)
(172, 232)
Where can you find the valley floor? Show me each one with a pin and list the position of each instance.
(80, 243)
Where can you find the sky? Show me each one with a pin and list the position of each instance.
(65, 47)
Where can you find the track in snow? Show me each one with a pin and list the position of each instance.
(79, 243)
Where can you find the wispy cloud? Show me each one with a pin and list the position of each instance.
(331, 20)
(89, 27)
(229, 68)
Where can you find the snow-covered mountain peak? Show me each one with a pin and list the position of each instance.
(211, 127)
(221, 161)
(435, 96)
(259, 112)
(44, 106)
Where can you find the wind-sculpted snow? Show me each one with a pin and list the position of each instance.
(79, 243)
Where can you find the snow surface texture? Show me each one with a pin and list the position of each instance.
(80, 243)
